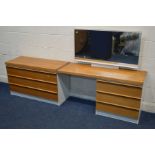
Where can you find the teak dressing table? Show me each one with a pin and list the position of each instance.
(118, 91)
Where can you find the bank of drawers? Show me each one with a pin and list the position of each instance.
(118, 99)
(36, 83)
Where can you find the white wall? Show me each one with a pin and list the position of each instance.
(58, 43)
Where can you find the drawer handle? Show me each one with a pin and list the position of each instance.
(117, 105)
(28, 69)
(116, 83)
(16, 76)
(103, 92)
(52, 92)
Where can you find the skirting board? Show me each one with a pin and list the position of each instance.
(148, 106)
(83, 96)
(116, 117)
(3, 79)
(34, 98)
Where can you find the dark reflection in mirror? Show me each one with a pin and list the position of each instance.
(112, 46)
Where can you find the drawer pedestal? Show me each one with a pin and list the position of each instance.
(34, 78)
(118, 99)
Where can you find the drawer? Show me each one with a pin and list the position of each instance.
(33, 83)
(33, 92)
(32, 74)
(118, 100)
(119, 111)
(119, 89)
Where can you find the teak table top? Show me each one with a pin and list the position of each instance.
(36, 63)
(117, 75)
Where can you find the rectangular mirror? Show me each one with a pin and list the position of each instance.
(112, 46)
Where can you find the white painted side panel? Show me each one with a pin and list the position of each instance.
(63, 87)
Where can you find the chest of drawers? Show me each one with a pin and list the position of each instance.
(34, 76)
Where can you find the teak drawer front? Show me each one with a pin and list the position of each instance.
(119, 89)
(32, 83)
(118, 100)
(117, 110)
(32, 74)
(34, 92)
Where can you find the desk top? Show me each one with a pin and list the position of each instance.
(36, 63)
(118, 75)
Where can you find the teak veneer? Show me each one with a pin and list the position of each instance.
(34, 76)
(131, 77)
(37, 64)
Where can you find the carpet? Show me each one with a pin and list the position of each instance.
(75, 113)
